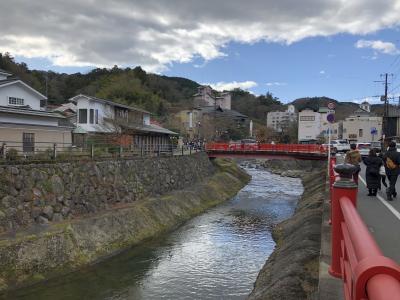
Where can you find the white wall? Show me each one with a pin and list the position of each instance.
(104, 111)
(19, 91)
(352, 126)
(27, 119)
(2, 76)
(309, 124)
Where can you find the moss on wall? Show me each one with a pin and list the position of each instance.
(66, 246)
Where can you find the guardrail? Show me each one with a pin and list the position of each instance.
(356, 258)
(290, 148)
(16, 151)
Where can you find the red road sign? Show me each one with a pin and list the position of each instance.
(331, 105)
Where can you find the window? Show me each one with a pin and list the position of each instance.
(307, 118)
(91, 116)
(97, 116)
(28, 142)
(15, 101)
(82, 116)
(360, 132)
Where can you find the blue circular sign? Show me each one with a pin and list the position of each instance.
(374, 130)
(330, 118)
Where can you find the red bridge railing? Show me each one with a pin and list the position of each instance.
(290, 148)
(356, 258)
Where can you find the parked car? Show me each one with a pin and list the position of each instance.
(377, 146)
(340, 145)
(363, 148)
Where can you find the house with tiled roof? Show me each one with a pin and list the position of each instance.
(104, 120)
(24, 123)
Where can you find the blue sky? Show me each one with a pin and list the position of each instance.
(314, 48)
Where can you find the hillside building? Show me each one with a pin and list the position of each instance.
(205, 96)
(280, 120)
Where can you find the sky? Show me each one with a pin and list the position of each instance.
(292, 48)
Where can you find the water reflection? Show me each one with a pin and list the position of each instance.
(214, 256)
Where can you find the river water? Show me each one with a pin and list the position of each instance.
(216, 255)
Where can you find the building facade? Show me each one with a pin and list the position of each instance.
(312, 124)
(280, 120)
(25, 125)
(362, 126)
(110, 122)
(206, 96)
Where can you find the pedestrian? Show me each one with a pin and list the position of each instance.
(372, 175)
(353, 157)
(392, 161)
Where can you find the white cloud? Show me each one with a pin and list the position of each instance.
(378, 46)
(157, 33)
(322, 72)
(228, 86)
(276, 83)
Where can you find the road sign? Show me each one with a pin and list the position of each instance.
(330, 118)
(331, 105)
(374, 131)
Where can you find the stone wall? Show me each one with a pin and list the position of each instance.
(291, 272)
(41, 193)
(62, 247)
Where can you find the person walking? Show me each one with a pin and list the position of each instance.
(372, 175)
(353, 157)
(392, 161)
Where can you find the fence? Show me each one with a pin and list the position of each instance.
(258, 147)
(356, 258)
(18, 151)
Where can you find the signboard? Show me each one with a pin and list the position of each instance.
(331, 105)
(330, 118)
(374, 131)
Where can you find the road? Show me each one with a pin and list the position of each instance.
(382, 217)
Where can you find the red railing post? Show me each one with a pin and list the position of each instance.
(344, 187)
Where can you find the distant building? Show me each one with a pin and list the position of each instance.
(312, 124)
(101, 119)
(24, 123)
(280, 120)
(205, 96)
(362, 125)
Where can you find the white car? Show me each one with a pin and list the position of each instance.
(363, 148)
(340, 146)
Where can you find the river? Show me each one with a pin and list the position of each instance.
(216, 255)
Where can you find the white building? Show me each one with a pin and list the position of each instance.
(127, 124)
(24, 123)
(280, 120)
(207, 97)
(362, 125)
(312, 124)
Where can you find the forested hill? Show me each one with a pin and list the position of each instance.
(161, 95)
(158, 94)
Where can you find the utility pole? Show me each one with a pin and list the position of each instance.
(384, 98)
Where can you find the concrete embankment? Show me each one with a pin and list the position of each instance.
(41, 252)
(291, 272)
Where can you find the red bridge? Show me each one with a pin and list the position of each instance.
(257, 150)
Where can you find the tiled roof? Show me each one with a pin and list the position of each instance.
(29, 111)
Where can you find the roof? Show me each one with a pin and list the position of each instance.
(11, 81)
(219, 111)
(109, 102)
(29, 111)
(150, 128)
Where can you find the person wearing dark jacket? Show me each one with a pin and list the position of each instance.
(372, 175)
(391, 171)
(353, 157)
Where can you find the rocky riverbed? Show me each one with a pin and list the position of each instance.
(291, 272)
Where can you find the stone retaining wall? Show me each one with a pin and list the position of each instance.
(43, 193)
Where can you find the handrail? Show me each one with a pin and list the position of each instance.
(356, 257)
(260, 147)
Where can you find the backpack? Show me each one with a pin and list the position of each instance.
(390, 164)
